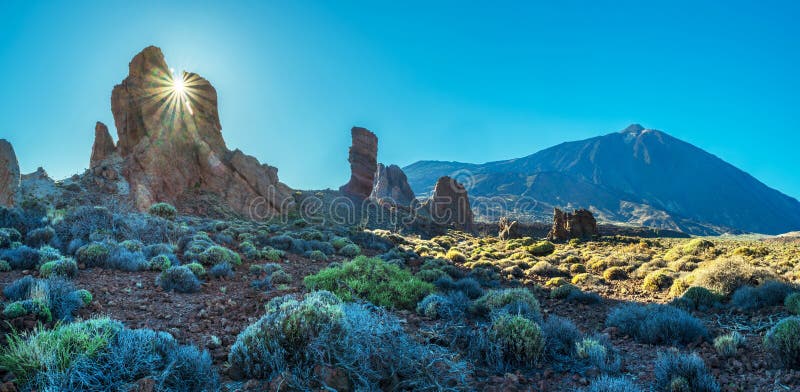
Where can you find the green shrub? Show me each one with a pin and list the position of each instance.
(520, 298)
(94, 254)
(29, 354)
(163, 210)
(696, 246)
(783, 341)
(727, 345)
(792, 303)
(63, 267)
(14, 310)
(546, 269)
(272, 254)
(4, 266)
(372, 279)
(317, 255)
(656, 281)
(541, 248)
(700, 297)
(455, 256)
(615, 273)
(197, 269)
(218, 254)
(724, 276)
(161, 263)
(340, 242)
(85, 296)
(520, 339)
(350, 250)
(563, 291)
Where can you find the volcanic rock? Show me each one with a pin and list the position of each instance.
(9, 174)
(449, 205)
(508, 229)
(391, 187)
(580, 224)
(103, 145)
(363, 163)
(171, 145)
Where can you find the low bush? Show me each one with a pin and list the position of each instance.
(656, 324)
(545, 269)
(563, 291)
(100, 354)
(783, 342)
(606, 383)
(93, 255)
(656, 281)
(541, 248)
(792, 303)
(584, 297)
(701, 298)
(514, 300)
(770, 293)
(724, 276)
(40, 237)
(163, 210)
(560, 336)
(4, 266)
(366, 345)
(123, 259)
(727, 345)
(22, 257)
(181, 279)
(615, 273)
(52, 298)
(216, 254)
(597, 352)
(449, 306)
(469, 286)
(350, 250)
(197, 269)
(681, 372)
(222, 270)
(372, 279)
(160, 263)
(65, 267)
(520, 339)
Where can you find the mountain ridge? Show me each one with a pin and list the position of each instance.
(627, 173)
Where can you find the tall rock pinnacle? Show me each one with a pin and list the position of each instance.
(9, 174)
(363, 163)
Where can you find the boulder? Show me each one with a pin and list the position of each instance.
(171, 145)
(9, 174)
(363, 163)
(580, 224)
(449, 205)
(391, 187)
(103, 145)
(507, 229)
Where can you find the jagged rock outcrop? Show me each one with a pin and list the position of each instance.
(507, 229)
(363, 163)
(171, 147)
(103, 145)
(449, 205)
(580, 224)
(9, 174)
(391, 187)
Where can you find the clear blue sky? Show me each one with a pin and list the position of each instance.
(444, 81)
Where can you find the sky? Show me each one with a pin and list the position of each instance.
(444, 80)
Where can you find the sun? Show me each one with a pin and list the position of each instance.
(177, 83)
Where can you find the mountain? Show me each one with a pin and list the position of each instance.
(636, 176)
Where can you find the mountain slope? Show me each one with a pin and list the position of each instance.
(638, 176)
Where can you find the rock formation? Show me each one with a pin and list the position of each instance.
(391, 187)
(103, 145)
(9, 174)
(363, 163)
(171, 146)
(449, 205)
(580, 224)
(507, 229)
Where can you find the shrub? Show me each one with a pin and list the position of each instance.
(163, 210)
(93, 255)
(160, 263)
(85, 296)
(563, 291)
(317, 255)
(783, 341)
(21, 257)
(123, 259)
(541, 248)
(222, 270)
(48, 298)
(4, 266)
(372, 279)
(792, 303)
(598, 353)
(40, 237)
(724, 276)
(350, 250)
(515, 300)
(544, 268)
(197, 269)
(727, 345)
(14, 310)
(449, 306)
(217, 254)
(656, 281)
(556, 282)
(587, 298)
(587, 279)
(520, 339)
(560, 336)
(606, 383)
(680, 372)
(696, 246)
(272, 254)
(768, 294)
(367, 346)
(181, 279)
(280, 277)
(656, 324)
(65, 267)
(455, 256)
(700, 297)
(615, 273)
(469, 286)
(340, 242)
(19, 289)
